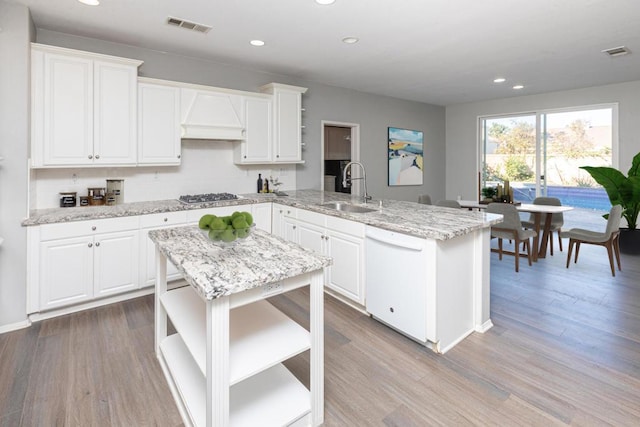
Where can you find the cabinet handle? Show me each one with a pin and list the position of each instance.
(278, 155)
(178, 155)
(391, 309)
(97, 244)
(97, 156)
(90, 244)
(280, 210)
(90, 157)
(244, 157)
(93, 228)
(303, 109)
(294, 227)
(166, 219)
(303, 127)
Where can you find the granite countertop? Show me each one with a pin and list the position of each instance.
(215, 270)
(404, 217)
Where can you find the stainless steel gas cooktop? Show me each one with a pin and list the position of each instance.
(209, 197)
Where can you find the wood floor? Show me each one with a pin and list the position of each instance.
(565, 350)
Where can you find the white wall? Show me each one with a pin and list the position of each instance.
(374, 114)
(16, 33)
(462, 127)
(207, 167)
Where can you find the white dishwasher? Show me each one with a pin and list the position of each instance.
(396, 275)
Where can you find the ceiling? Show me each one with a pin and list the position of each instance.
(434, 51)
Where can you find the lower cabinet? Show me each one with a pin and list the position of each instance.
(343, 241)
(284, 222)
(148, 249)
(81, 268)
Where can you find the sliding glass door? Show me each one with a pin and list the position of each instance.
(541, 153)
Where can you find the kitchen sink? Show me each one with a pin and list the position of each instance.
(347, 207)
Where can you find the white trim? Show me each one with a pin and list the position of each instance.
(15, 326)
(355, 147)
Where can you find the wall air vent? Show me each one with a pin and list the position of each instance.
(617, 51)
(177, 22)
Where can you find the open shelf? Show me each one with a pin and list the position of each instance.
(260, 336)
(272, 397)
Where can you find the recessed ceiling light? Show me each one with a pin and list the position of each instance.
(350, 40)
(257, 43)
(90, 2)
(518, 87)
(499, 80)
(325, 2)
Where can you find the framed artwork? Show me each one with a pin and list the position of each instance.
(405, 157)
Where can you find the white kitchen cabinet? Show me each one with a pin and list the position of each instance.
(343, 241)
(284, 223)
(159, 140)
(148, 249)
(83, 108)
(79, 263)
(262, 216)
(257, 147)
(287, 119)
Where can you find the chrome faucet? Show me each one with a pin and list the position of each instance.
(347, 183)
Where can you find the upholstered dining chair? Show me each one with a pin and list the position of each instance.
(425, 199)
(557, 219)
(448, 203)
(609, 238)
(510, 228)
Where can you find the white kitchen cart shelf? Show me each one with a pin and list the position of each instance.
(260, 335)
(223, 365)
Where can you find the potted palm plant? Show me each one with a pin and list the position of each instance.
(625, 191)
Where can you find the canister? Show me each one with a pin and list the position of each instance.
(96, 196)
(116, 186)
(68, 199)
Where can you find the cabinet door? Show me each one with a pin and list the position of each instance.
(66, 269)
(288, 106)
(290, 230)
(345, 275)
(148, 257)
(158, 124)
(115, 263)
(262, 216)
(257, 146)
(311, 237)
(67, 137)
(115, 114)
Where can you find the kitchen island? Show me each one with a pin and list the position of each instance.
(224, 363)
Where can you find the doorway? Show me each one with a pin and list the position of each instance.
(340, 145)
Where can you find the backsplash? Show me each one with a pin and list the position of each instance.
(207, 167)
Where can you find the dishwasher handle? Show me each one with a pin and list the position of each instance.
(400, 243)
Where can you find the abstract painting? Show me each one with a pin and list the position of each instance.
(405, 157)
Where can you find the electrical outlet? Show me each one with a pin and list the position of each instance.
(272, 289)
(283, 172)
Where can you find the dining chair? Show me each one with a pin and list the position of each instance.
(510, 228)
(557, 219)
(425, 199)
(609, 238)
(448, 203)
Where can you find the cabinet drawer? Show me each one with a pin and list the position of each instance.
(311, 217)
(84, 228)
(163, 219)
(345, 226)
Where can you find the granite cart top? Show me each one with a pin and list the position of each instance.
(216, 270)
(411, 218)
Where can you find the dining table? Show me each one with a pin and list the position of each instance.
(539, 244)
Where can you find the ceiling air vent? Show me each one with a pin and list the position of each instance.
(177, 22)
(617, 51)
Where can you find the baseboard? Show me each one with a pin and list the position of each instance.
(484, 327)
(15, 326)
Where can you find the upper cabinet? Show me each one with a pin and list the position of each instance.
(83, 108)
(158, 123)
(287, 119)
(257, 147)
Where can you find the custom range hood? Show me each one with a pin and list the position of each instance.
(211, 115)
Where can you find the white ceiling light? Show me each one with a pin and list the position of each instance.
(350, 40)
(90, 2)
(499, 80)
(518, 87)
(325, 2)
(256, 43)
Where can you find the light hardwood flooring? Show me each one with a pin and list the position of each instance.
(565, 350)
